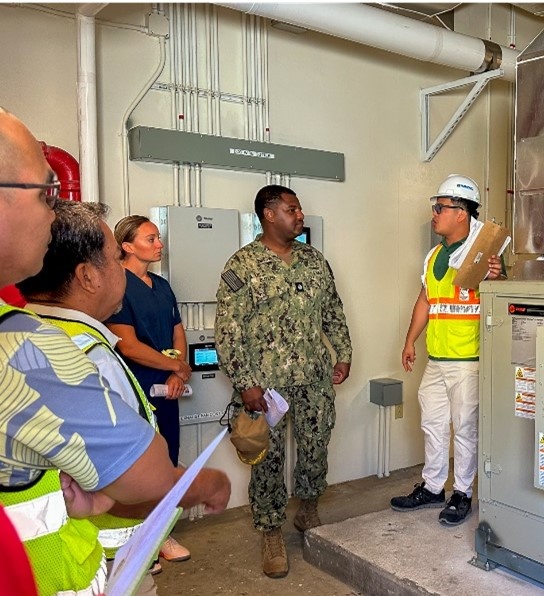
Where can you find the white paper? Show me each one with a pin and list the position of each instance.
(162, 390)
(134, 558)
(458, 256)
(277, 407)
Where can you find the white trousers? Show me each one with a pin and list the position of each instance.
(449, 394)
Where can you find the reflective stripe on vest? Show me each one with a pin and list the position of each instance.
(455, 311)
(38, 517)
(64, 553)
(116, 537)
(453, 329)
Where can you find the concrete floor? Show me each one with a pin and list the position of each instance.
(226, 551)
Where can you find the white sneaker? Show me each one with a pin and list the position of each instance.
(172, 550)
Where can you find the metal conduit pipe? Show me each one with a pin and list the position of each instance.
(391, 32)
(209, 75)
(86, 97)
(174, 92)
(124, 125)
(245, 76)
(194, 67)
(215, 62)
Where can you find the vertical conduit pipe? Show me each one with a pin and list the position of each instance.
(245, 70)
(86, 95)
(128, 113)
(186, 65)
(216, 83)
(265, 84)
(387, 440)
(194, 67)
(187, 184)
(488, 131)
(381, 434)
(209, 84)
(253, 71)
(174, 93)
(198, 186)
(180, 70)
(201, 315)
(190, 316)
(258, 79)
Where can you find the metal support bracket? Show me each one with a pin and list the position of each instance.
(489, 555)
(478, 82)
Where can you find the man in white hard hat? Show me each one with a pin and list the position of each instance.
(449, 388)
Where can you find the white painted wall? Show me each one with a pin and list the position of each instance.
(326, 94)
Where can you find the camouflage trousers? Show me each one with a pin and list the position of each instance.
(311, 408)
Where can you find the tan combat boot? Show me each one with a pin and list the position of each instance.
(307, 516)
(274, 554)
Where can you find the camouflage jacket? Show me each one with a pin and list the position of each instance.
(271, 317)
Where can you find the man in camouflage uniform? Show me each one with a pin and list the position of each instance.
(275, 300)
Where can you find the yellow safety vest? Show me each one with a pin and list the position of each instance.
(65, 554)
(453, 330)
(113, 531)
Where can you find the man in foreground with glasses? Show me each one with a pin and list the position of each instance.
(448, 392)
(58, 413)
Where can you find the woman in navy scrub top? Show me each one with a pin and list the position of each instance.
(148, 323)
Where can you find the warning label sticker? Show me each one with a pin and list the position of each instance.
(525, 392)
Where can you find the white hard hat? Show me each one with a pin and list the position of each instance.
(459, 187)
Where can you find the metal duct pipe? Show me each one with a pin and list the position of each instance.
(390, 32)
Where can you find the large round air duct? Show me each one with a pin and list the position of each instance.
(390, 32)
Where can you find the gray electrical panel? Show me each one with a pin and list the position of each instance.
(511, 454)
(176, 146)
(197, 244)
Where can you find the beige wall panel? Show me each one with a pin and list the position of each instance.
(38, 73)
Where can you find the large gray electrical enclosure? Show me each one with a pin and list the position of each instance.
(197, 244)
(511, 455)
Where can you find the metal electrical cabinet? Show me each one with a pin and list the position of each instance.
(511, 454)
(197, 244)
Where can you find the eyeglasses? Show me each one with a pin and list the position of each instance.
(437, 207)
(52, 190)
